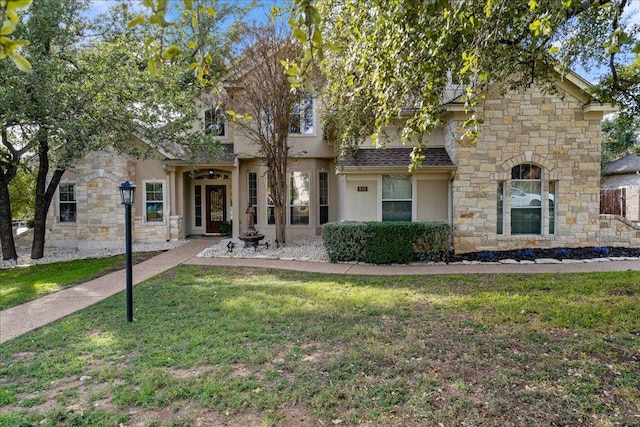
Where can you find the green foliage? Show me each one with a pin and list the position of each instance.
(22, 194)
(225, 228)
(413, 59)
(387, 242)
(620, 137)
(345, 241)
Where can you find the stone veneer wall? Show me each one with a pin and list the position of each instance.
(100, 214)
(618, 231)
(527, 126)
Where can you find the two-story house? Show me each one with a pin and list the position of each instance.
(530, 180)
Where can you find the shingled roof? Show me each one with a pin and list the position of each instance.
(397, 157)
(628, 164)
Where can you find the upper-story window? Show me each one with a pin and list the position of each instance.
(301, 119)
(214, 122)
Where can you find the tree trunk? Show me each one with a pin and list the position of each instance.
(44, 195)
(6, 231)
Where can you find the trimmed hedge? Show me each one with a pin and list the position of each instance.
(387, 242)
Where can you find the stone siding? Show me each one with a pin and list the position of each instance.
(527, 126)
(100, 213)
(617, 231)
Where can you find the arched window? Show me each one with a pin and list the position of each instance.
(526, 192)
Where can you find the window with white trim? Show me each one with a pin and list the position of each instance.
(67, 203)
(528, 188)
(154, 201)
(323, 197)
(301, 118)
(299, 198)
(214, 121)
(396, 197)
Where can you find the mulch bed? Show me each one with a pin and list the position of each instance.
(555, 253)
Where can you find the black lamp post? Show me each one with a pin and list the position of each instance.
(127, 191)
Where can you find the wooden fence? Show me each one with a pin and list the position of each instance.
(613, 201)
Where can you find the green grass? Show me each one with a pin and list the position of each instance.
(24, 284)
(257, 347)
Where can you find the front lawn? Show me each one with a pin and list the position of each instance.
(223, 346)
(24, 284)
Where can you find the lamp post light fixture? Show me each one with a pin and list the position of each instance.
(127, 191)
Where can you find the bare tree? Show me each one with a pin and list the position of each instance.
(263, 106)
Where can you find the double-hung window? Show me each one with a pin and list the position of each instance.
(528, 189)
(67, 202)
(301, 118)
(396, 197)
(299, 198)
(154, 201)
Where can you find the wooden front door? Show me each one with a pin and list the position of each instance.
(216, 207)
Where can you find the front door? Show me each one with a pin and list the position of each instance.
(216, 207)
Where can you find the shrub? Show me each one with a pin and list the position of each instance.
(486, 255)
(387, 242)
(225, 228)
(345, 241)
(525, 253)
(600, 251)
(562, 252)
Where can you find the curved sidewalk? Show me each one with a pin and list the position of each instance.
(21, 319)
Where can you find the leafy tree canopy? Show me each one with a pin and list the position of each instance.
(388, 55)
(621, 137)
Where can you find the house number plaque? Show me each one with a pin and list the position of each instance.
(363, 188)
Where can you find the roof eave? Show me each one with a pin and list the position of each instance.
(404, 169)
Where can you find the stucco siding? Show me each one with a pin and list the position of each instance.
(432, 199)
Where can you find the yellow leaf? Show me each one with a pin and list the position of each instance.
(210, 11)
(7, 28)
(192, 45)
(135, 21)
(17, 4)
(152, 67)
(22, 63)
(299, 35)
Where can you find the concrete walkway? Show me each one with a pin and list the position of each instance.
(19, 320)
